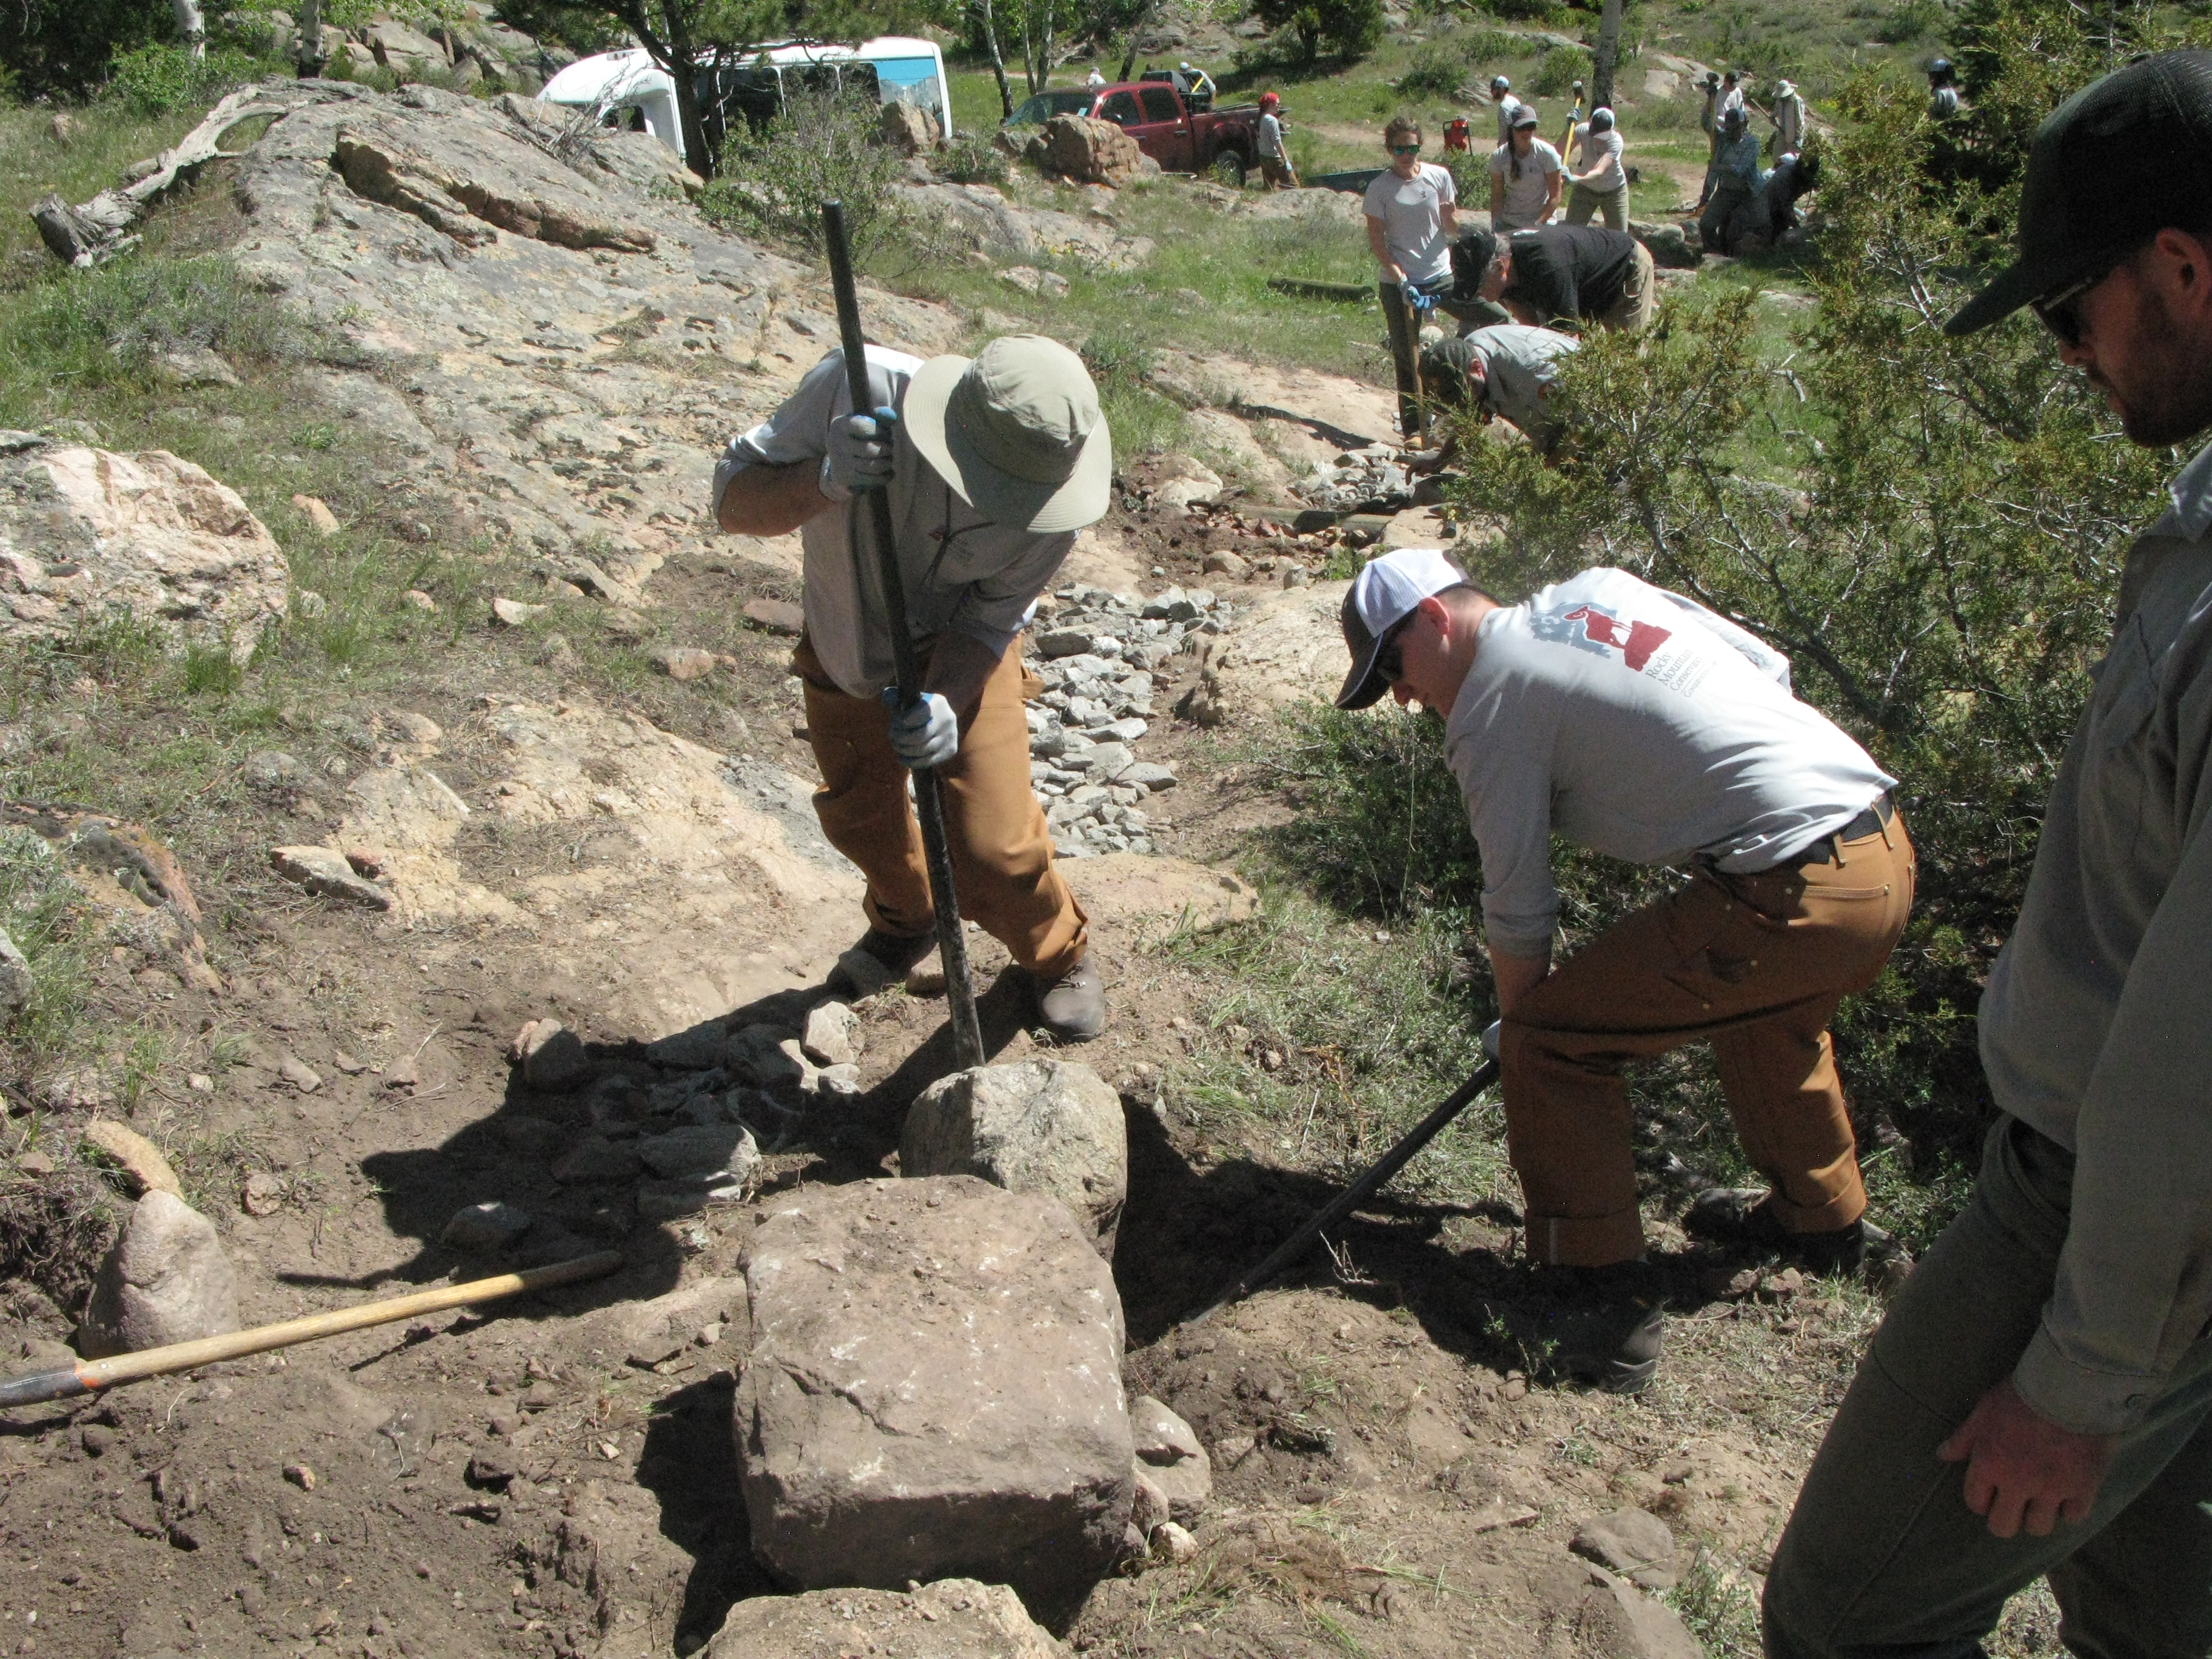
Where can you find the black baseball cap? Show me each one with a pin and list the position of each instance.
(2122, 159)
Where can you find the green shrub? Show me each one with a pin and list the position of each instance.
(1909, 21)
(1142, 422)
(973, 159)
(1437, 71)
(1349, 28)
(822, 148)
(1558, 71)
(156, 78)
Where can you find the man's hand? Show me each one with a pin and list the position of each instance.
(927, 734)
(1409, 293)
(860, 450)
(2021, 1467)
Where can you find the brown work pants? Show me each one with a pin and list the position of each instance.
(1002, 865)
(1639, 295)
(1754, 964)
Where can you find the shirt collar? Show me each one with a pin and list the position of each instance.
(2191, 515)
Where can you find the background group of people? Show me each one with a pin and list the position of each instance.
(1521, 293)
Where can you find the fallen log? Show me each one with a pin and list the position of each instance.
(91, 233)
(1312, 290)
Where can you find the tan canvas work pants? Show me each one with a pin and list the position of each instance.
(1639, 296)
(1754, 965)
(1002, 864)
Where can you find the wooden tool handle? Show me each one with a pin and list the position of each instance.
(90, 1376)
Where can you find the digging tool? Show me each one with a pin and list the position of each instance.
(90, 1376)
(928, 804)
(1371, 1180)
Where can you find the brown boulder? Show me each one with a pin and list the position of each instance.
(931, 1388)
(1089, 152)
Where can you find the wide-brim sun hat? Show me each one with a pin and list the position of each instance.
(1017, 432)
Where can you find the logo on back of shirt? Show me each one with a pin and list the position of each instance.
(1638, 646)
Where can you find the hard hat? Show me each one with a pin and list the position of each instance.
(1733, 121)
(1268, 99)
(1498, 83)
(1941, 66)
(1601, 119)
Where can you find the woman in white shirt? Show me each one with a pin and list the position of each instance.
(1525, 174)
(1604, 188)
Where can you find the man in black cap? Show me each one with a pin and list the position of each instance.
(1564, 276)
(2036, 1402)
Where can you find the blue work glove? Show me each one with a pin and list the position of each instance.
(859, 455)
(927, 734)
(1416, 301)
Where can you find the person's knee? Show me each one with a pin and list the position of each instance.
(1784, 1626)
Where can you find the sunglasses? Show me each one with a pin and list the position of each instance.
(1390, 658)
(2061, 312)
(1405, 149)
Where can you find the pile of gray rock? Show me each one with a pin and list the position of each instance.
(1370, 480)
(1101, 656)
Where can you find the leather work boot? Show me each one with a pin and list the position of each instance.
(895, 952)
(1073, 1007)
(1746, 1215)
(1607, 1333)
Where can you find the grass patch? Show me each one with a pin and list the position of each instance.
(1333, 1037)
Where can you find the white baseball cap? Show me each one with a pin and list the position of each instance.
(1389, 590)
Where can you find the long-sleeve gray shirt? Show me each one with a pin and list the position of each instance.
(1639, 725)
(961, 574)
(2097, 1025)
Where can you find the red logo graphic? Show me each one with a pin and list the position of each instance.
(1603, 628)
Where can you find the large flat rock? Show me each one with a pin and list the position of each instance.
(956, 1618)
(932, 1387)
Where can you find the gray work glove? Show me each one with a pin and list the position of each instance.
(859, 455)
(927, 734)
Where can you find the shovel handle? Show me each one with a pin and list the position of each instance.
(90, 1376)
(928, 804)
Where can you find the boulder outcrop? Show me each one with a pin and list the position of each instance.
(88, 534)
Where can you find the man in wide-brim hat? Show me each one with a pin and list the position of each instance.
(993, 463)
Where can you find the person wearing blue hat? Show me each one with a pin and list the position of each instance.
(2038, 1402)
(1635, 723)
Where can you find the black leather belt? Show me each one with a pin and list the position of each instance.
(1871, 821)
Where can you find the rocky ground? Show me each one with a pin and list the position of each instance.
(517, 967)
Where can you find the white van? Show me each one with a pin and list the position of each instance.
(628, 89)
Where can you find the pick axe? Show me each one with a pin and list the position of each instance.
(1371, 1181)
(928, 804)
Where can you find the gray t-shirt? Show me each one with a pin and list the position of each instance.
(1520, 365)
(1602, 148)
(1271, 136)
(1526, 196)
(962, 573)
(1639, 725)
(1411, 212)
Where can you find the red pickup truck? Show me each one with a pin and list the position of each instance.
(1181, 139)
